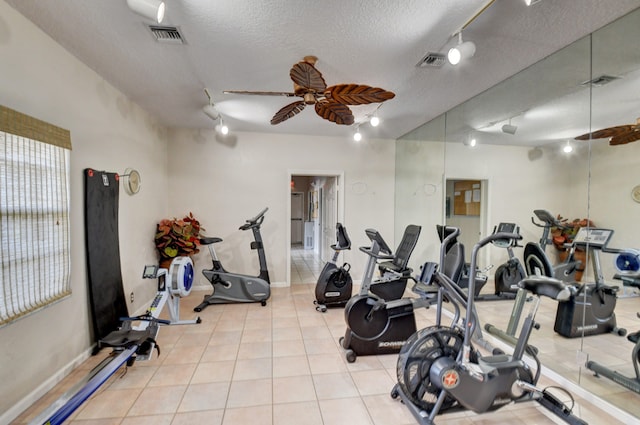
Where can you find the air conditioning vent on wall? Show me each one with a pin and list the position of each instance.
(434, 60)
(170, 35)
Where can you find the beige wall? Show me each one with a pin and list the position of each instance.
(108, 132)
(221, 182)
(226, 182)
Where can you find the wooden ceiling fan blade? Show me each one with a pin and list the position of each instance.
(607, 132)
(335, 112)
(633, 136)
(357, 94)
(287, 112)
(261, 93)
(307, 77)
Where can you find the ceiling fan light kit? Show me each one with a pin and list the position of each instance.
(150, 9)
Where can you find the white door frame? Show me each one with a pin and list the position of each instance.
(485, 213)
(320, 173)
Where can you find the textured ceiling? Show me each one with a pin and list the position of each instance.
(251, 45)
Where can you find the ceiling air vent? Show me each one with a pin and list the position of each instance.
(600, 81)
(434, 60)
(170, 35)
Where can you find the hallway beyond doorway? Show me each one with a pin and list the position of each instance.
(306, 265)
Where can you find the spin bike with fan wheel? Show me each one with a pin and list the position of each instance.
(439, 369)
(229, 287)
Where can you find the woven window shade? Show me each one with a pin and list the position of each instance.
(23, 125)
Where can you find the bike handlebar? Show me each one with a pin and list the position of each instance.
(255, 221)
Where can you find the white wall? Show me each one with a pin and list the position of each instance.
(108, 132)
(223, 182)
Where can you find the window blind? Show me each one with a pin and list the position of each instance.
(34, 214)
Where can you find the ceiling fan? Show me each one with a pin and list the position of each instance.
(619, 135)
(330, 102)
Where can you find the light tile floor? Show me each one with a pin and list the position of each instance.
(274, 365)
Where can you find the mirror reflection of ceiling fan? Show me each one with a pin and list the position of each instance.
(619, 135)
(329, 102)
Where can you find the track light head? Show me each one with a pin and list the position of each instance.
(357, 136)
(150, 9)
(509, 129)
(211, 112)
(460, 52)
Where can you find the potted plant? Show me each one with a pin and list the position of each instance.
(177, 237)
(562, 235)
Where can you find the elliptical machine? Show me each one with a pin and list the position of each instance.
(439, 369)
(334, 285)
(231, 287)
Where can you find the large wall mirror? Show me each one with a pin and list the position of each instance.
(522, 128)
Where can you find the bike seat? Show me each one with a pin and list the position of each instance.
(548, 287)
(208, 241)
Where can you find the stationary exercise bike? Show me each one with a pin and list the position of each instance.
(334, 285)
(590, 311)
(566, 270)
(231, 287)
(439, 369)
(509, 274)
(376, 325)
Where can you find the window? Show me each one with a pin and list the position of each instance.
(34, 214)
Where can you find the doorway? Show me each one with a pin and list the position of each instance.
(322, 199)
(466, 209)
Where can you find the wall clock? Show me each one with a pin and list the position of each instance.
(132, 181)
(635, 193)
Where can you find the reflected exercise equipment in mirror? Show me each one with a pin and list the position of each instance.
(587, 87)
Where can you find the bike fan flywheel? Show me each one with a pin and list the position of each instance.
(416, 358)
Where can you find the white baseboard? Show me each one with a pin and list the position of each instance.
(43, 388)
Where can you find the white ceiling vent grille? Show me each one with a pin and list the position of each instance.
(600, 81)
(169, 35)
(432, 60)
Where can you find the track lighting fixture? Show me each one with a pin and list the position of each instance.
(471, 141)
(464, 50)
(357, 136)
(509, 129)
(211, 111)
(224, 130)
(150, 9)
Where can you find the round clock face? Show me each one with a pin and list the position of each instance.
(132, 184)
(635, 193)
